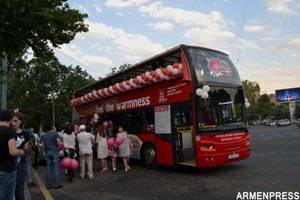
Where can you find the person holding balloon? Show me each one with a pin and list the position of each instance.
(112, 147)
(69, 147)
(102, 150)
(124, 147)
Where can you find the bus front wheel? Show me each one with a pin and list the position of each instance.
(149, 156)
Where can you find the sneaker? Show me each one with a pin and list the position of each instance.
(114, 170)
(48, 187)
(58, 187)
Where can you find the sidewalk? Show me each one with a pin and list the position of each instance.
(26, 191)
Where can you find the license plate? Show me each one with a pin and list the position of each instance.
(234, 155)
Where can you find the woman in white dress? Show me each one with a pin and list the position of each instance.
(102, 148)
(124, 148)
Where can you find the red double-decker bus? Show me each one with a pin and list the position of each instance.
(185, 106)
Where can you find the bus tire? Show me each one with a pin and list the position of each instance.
(149, 156)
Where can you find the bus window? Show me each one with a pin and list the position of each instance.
(182, 115)
(148, 120)
(223, 108)
(132, 121)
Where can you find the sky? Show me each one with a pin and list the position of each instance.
(262, 37)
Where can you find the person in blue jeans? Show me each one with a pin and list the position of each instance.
(50, 141)
(8, 154)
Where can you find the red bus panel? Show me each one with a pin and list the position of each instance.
(221, 148)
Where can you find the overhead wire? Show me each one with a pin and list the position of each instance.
(78, 62)
(242, 32)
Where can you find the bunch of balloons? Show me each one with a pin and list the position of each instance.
(69, 163)
(112, 141)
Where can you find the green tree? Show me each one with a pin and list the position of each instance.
(252, 93)
(124, 66)
(297, 110)
(282, 111)
(42, 83)
(35, 23)
(121, 68)
(264, 107)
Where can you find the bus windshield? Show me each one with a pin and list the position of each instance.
(212, 67)
(223, 110)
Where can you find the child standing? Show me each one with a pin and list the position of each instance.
(102, 148)
(69, 150)
(124, 148)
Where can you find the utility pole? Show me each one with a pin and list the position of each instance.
(53, 109)
(3, 82)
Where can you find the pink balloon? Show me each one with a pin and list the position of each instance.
(110, 141)
(73, 164)
(119, 141)
(61, 146)
(65, 163)
(105, 124)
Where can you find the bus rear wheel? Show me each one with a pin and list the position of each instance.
(149, 156)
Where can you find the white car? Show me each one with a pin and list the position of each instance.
(283, 122)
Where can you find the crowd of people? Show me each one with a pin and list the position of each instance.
(18, 143)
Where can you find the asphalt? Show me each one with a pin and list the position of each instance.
(27, 192)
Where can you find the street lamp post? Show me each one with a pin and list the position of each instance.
(53, 108)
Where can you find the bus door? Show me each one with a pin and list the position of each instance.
(182, 133)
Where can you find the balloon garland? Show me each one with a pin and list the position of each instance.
(147, 78)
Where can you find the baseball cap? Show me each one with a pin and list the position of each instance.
(82, 127)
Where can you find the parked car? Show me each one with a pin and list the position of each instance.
(298, 122)
(272, 123)
(283, 122)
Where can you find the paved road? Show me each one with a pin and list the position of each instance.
(273, 167)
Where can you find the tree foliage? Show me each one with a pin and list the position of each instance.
(297, 110)
(252, 93)
(35, 23)
(282, 111)
(35, 86)
(121, 68)
(264, 107)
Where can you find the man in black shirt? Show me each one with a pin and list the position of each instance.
(8, 151)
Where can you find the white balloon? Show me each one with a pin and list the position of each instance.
(170, 68)
(180, 66)
(106, 92)
(127, 87)
(148, 75)
(95, 94)
(247, 104)
(111, 89)
(204, 95)
(139, 78)
(175, 71)
(162, 77)
(206, 88)
(96, 116)
(199, 91)
(157, 71)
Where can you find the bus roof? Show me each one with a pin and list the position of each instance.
(165, 58)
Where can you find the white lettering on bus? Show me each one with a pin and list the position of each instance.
(134, 103)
